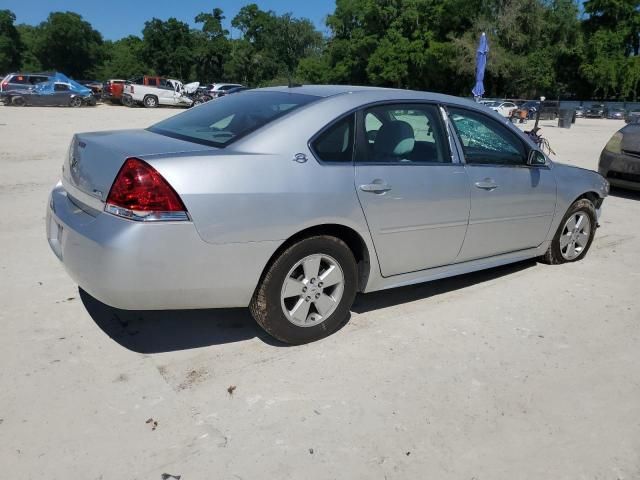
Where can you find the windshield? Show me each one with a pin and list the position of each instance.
(228, 118)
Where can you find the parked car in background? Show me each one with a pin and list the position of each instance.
(291, 200)
(615, 113)
(112, 90)
(597, 110)
(49, 94)
(23, 81)
(155, 91)
(94, 85)
(549, 110)
(197, 94)
(232, 90)
(505, 109)
(620, 158)
(219, 89)
(579, 111)
(632, 116)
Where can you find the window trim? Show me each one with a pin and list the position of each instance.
(527, 147)
(361, 139)
(328, 126)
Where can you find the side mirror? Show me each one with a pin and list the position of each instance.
(536, 158)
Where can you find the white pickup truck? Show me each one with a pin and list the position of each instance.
(154, 91)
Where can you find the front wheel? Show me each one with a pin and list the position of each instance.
(307, 292)
(75, 102)
(150, 101)
(575, 234)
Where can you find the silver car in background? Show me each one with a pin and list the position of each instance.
(291, 200)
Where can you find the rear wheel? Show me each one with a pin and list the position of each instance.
(575, 234)
(150, 101)
(307, 291)
(18, 102)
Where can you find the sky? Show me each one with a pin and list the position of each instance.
(118, 18)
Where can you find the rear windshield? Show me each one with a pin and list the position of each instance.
(222, 121)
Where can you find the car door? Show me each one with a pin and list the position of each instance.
(414, 193)
(61, 95)
(166, 93)
(512, 203)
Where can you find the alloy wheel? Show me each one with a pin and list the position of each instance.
(575, 235)
(312, 290)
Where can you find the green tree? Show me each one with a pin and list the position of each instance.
(67, 43)
(11, 46)
(168, 47)
(212, 46)
(29, 38)
(123, 59)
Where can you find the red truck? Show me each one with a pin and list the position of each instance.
(112, 90)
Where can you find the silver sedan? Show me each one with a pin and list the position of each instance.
(291, 200)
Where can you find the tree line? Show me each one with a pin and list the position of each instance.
(556, 48)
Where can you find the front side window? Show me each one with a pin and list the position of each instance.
(485, 141)
(335, 144)
(61, 87)
(409, 133)
(221, 122)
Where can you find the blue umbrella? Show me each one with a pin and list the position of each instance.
(481, 63)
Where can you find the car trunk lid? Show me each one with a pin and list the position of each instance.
(95, 158)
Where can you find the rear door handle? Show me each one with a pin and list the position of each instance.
(375, 187)
(487, 184)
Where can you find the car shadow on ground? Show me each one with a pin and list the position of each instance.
(397, 296)
(157, 331)
(622, 193)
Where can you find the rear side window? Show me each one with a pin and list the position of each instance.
(35, 79)
(335, 144)
(19, 79)
(221, 122)
(410, 133)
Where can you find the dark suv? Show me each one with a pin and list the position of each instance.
(23, 81)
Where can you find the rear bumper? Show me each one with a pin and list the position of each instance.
(620, 170)
(138, 266)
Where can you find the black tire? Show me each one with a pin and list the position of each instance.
(18, 102)
(75, 102)
(150, 101)
(553, 255)
(266, 305)
(127, 101)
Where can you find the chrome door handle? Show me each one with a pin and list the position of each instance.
(487, 184)
(375, 187)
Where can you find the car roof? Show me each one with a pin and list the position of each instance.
(381, 93)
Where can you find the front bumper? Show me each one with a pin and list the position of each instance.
(138, 266)
(621, 170)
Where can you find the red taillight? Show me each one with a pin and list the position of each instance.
(4, 85)
(139, 191)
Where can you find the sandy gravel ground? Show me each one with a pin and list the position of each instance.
(522, 372)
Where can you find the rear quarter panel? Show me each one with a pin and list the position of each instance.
(253, 197)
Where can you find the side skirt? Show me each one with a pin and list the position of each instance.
(381, 283)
